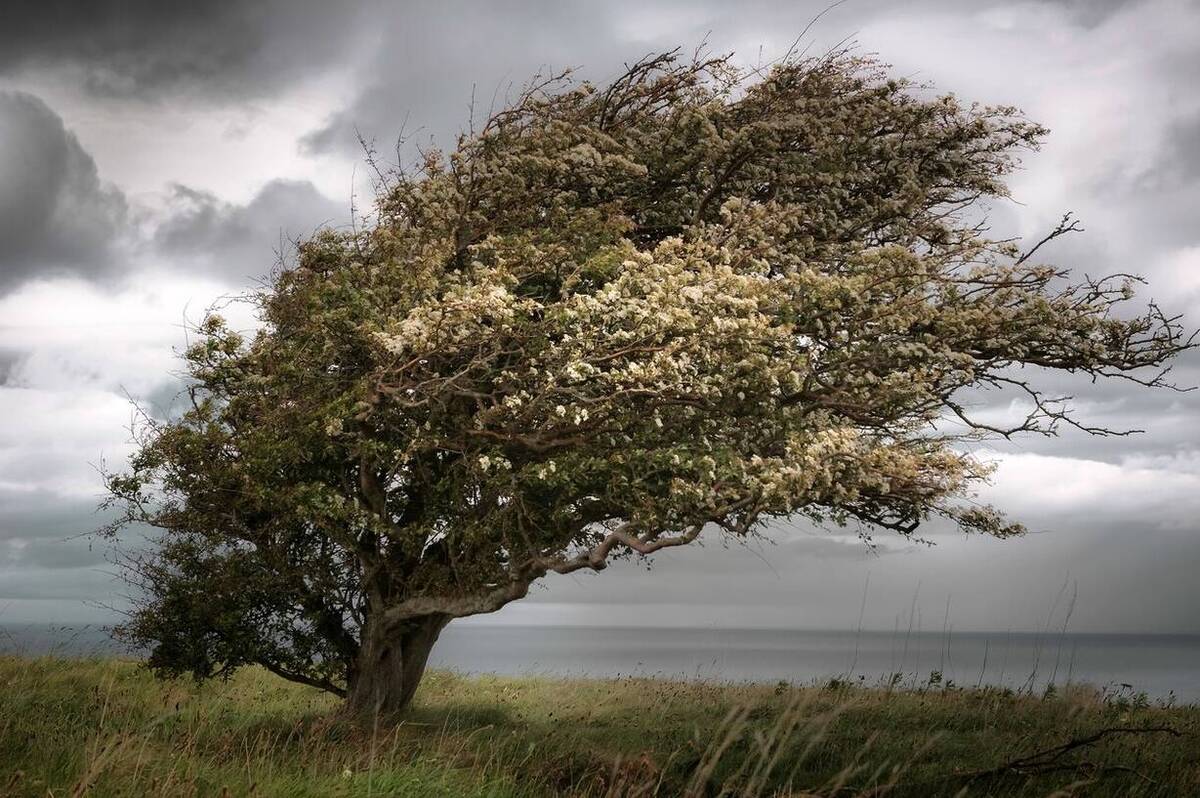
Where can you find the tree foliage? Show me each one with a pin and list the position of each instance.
(612, 318)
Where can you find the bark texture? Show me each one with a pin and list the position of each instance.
(390, 666)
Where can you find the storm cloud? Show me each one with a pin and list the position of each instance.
(151, 51)
(243, 242)
(56, 216)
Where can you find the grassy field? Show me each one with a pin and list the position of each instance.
(106, 727)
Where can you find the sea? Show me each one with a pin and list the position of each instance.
(1160, 668)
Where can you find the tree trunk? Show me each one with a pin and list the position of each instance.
(390, 666)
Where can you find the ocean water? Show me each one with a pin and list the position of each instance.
(1164, 667)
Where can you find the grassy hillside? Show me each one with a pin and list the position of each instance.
(105, 727)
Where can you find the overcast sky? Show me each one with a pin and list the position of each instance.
(153, 157)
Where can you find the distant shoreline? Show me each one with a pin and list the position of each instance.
(489, 623)
(1164, 667)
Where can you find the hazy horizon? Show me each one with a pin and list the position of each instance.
(1164, 667)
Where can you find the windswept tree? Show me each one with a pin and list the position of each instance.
(612, 319)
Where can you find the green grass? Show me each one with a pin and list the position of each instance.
(106, 727)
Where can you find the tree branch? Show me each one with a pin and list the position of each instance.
(300, 678)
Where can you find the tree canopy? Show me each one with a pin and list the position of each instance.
(611, 318)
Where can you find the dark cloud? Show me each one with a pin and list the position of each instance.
(9, 359)
(420, 57)
(433, 63)
(1090, 13)
(242, 242)
(47, 549)
(992, 584)
(1179, 164)
(422, 53)
(439, 57)
(43, 530)
(166, 401)
(52, 554)
(147, 49)
(46, 516)
(86, 583)
(55, 214)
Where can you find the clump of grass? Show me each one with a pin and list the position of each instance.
(105, 727)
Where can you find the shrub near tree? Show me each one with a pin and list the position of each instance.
(611, 319)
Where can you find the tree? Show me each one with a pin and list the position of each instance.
(610, 319)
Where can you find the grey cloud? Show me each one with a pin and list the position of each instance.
(1130, 226)
(988, 584)
(43, 538)
(423, 80)
(1164, 419)
(29, 465)
(225, 50)
(145, 49)
(167, 401)
(46, 545)
(822, 547)
(430, 67)
(46, 516)
(55, 214)
(82, 583)
(1179, 164)
(1158, 207)
(9, 359)
(53, 554)
(732, 571)
(242, 242)
(1090, 13)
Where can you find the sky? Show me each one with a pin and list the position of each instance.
(156, 157)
